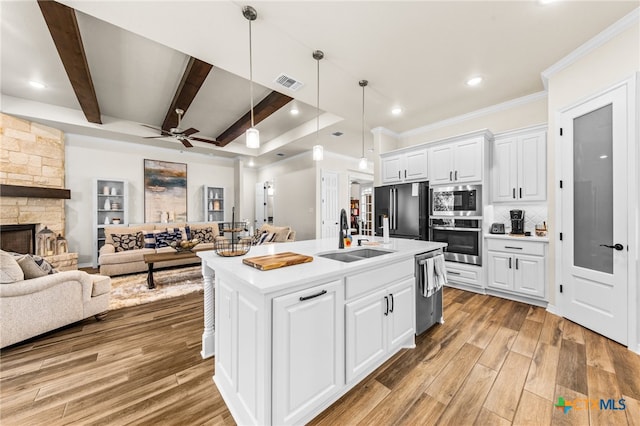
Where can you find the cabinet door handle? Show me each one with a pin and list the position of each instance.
(453, 273)
(386, 301)
(516, 263)
(398, 174)
(455, 175)
(513, 248)
(520, 192)
(514, 193)
(391, 296)
(303, 298)
(509, 263)
(405, 174)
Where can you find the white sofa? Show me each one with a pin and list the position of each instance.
(34, 306)
(114, 262)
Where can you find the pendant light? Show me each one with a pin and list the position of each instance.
(363, 164)
(318, 150)
(252, 134)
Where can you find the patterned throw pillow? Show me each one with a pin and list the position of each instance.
(35, 266)
(150, 239)
(164, 239)
(185, 232)
(205, 235)
(124, 242)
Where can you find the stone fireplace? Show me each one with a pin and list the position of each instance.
(31, 157)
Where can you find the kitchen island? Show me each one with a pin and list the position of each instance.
(290, 341)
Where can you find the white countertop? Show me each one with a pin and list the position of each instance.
(320, 269)
(523, 238)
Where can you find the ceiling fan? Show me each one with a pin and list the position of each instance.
(184, 136)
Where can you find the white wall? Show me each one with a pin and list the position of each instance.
(294, 193)
(88, 158)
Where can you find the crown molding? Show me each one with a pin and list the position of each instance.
(612, 31)
(385, 131)
(475, 114)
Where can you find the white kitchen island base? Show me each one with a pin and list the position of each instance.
(289, 342)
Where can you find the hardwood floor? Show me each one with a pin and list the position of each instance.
(493, 362)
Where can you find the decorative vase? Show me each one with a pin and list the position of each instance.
(107, 204)
(105, 190)
(114, 191)
(216, 205)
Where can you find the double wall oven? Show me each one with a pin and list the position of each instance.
(456, 219)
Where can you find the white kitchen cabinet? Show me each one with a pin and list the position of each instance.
(519, 169)
(465, 276)
(517, 267)
(456, 162)
(392, 169)
(308, 350)
(407, 166)
(377, 325)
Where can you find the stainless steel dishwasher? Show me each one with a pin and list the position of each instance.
(428, 309)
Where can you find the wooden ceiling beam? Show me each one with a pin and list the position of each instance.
(194, 76)
(270, 104)
(64, 30)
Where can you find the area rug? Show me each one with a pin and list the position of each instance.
(131, 290)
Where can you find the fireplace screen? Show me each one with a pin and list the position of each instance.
(18, 238)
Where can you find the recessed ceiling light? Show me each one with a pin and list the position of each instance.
(604, 156)
(37, 84)
(474, 81)
(294, 111)
(251, 163)
(396, 111)
(546, 1)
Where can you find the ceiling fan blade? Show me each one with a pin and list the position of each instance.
(153, 137)
(190, 131)
(193, 138)
(186, 143)
(151, 127)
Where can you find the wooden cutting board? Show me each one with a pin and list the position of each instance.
(274, 261)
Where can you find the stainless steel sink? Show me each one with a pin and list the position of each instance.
(354, 255)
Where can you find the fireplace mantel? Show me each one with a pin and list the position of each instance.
(34, 192)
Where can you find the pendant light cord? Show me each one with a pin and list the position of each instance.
(363, 120)
(318, 103)
(251, 73)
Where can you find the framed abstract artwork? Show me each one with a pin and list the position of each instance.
(165, 191)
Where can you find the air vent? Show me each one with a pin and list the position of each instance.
(336, 134)
(288, 82)
(280, 154)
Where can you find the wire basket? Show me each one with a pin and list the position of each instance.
(229, 248)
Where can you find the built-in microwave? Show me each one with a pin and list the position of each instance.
(456, 200)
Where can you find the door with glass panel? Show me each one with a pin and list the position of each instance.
(594, 214)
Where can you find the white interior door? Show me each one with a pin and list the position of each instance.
(330, 205)
(594, 214)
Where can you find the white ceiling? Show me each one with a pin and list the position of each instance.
(415, 54)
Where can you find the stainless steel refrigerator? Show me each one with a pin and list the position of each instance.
(407, 207)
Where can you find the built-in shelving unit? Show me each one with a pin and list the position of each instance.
(213, 203)
(111, 208)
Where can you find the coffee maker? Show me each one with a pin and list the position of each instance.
(517, 222)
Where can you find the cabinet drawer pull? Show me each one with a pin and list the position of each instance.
(513, 248)
(386, 301)
(520, 192)
(391, 296)
(303, 298)
(453, 273)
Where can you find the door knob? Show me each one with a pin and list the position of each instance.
(615, 246)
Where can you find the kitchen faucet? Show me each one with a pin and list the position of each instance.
(344, 226)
